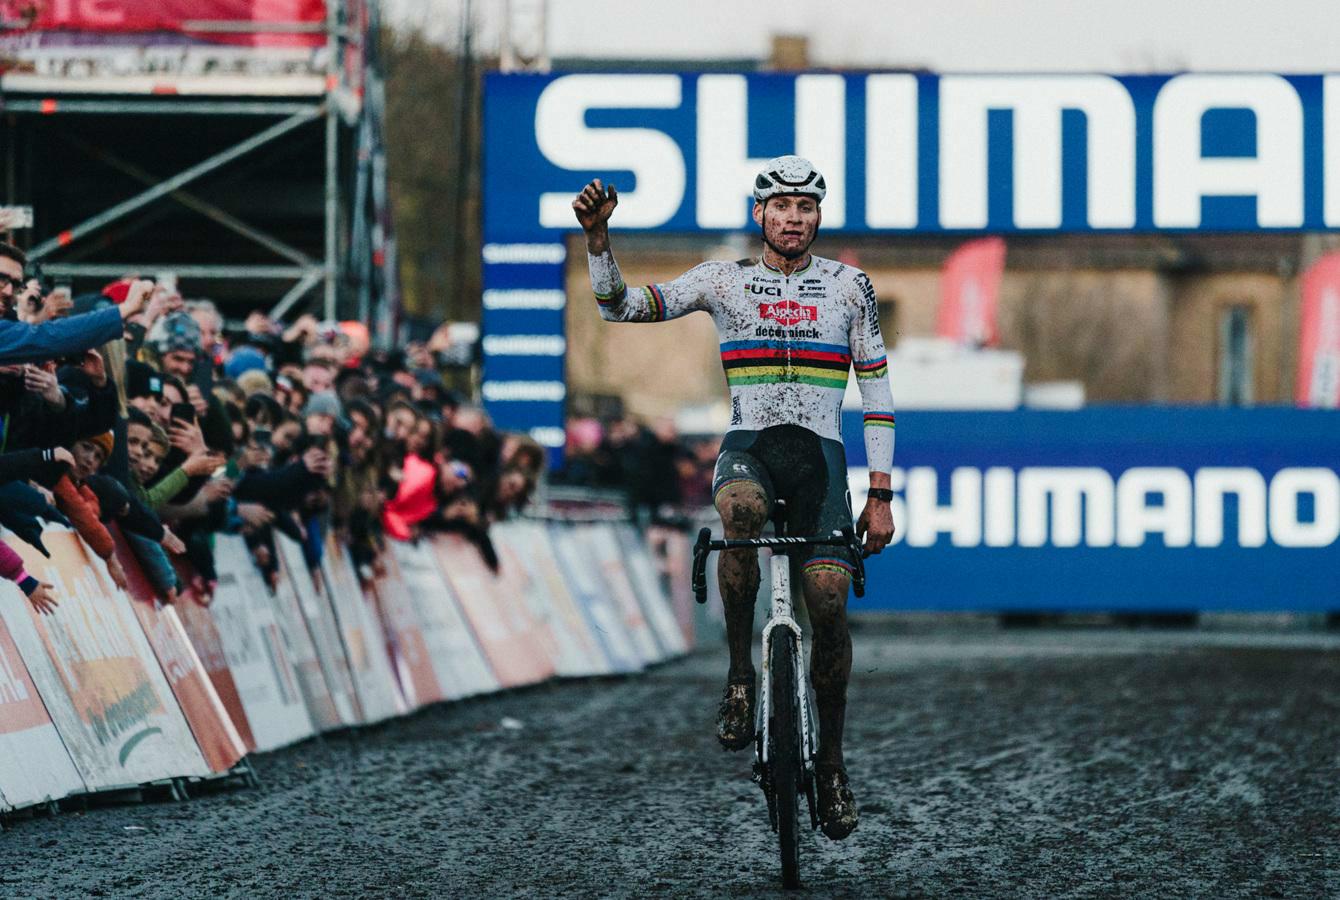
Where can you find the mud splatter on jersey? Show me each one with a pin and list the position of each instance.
(787, 341)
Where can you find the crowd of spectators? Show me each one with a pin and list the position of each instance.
(662, 474)
(136, 407)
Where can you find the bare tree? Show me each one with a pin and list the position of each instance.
(1097, 331)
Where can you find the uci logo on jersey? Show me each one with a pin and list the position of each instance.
(767, 290)
(788, 312)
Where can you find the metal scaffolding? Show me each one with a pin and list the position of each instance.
(319, 218)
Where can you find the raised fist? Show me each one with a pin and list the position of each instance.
(594, 205)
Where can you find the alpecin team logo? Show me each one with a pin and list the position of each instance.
(788, 312)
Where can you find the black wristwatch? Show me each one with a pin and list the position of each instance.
(880, 494)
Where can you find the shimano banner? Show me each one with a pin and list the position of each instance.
(921, 153)
(1111, 509)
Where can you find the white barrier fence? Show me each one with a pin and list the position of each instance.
(116, 690)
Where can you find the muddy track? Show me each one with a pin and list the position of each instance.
(1043, 763)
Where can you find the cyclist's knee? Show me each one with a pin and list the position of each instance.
(826, 596)
(744, 508)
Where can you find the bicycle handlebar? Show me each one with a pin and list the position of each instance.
(705, 545)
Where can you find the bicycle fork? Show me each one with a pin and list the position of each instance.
(782, 615)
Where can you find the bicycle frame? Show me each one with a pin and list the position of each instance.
(783, 616)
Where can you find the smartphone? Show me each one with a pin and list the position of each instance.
(202, 375)
(184, 412)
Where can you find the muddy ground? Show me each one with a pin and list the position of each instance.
(1047, 763)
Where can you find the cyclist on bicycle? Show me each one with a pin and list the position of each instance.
(791, 326)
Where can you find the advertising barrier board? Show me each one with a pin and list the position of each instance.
(1110, 509)
(203, 631)
(525, 544)
(94, 669)
(601, 547)
(405, 639)
(604, 618)
(507, 636)
(216, 728)
(364, 641)
(453, 650)
(320, 620)
(257, 655)
(650, 592)
(34, 765)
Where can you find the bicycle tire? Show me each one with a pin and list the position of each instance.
(784, 753)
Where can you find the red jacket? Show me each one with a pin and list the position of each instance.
(80, 506)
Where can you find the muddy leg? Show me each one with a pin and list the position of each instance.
(830, 661)
(744, 509)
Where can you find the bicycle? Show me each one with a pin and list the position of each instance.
(786, 738)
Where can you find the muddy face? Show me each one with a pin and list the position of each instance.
(789, 224)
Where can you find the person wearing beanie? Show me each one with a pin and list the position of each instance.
(78, 502)
(321, 413)
(105, 442)
(177, 342)
(244, 359)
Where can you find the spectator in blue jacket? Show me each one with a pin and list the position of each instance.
(23, 343)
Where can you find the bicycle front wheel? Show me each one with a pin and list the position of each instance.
(784, 752)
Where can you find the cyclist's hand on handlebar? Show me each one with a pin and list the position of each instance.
(594, 205)
(875, 527)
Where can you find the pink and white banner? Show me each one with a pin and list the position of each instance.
(970, 293)
(1319, 335)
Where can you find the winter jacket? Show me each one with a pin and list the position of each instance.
(23, 343)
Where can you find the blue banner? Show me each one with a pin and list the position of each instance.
(1111, 509)
(905, 153)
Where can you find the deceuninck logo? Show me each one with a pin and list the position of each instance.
(788, 312)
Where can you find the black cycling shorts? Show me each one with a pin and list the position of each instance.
(809, 472)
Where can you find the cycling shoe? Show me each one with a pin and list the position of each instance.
(837, 806)
(735, 715)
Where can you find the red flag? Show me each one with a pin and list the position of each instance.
(1319, 335)
(970, 291)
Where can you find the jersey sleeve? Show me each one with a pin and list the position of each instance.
(869, 359)
(690, 292)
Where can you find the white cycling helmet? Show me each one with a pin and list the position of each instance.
(789, 175)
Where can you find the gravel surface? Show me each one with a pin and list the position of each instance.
(1046, 763)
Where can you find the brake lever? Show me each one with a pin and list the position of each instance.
(700, 551)
(858, 561)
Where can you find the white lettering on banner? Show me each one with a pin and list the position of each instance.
(1037, 103)
(653, 156)
(522, 299)
(1067, 504)
(1324, 527)
(1137, 517)
(998, 507)
(496, 254)
(725, 169)
(720, 137)
(1182, 175)
(962, 518)
(549, 436)
(891, 151)
(1330, 179)
(524, 345)
(1062, 491)
(821, 137)
(1250, 489)
(495, 391)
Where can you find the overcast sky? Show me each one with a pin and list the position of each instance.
(949, 35)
